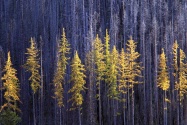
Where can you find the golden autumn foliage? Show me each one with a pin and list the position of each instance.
(33, 66)
(62, 61)
(10, 85)
(163, 81)
(99, 58)
(134, 67)
(78, 81)
(175, 57)
(113, 72)
(181, 86)
(123, 71)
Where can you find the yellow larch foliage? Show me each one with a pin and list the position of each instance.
(78, 80)
(123, 71)
(181, 86)
(58, 89)
(175, 57)
(33, 65)
(64, 50)
(163, 81)
(112, 76)
(99, 58)
(10, 85)
(134, 66)
(62, 61)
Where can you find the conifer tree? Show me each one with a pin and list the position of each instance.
(134, 70)
(107, 57)
(100, 68)
(59, 77)
(123, 72)
(112, 80)
(64, 50)
(107, 72)
(78, 80)
(175, 60)
(163, 77)
(112, 77)
(11, 86)
(33, 66)
(107, 48)
(163, 81)
(181, 86)
(123, 75)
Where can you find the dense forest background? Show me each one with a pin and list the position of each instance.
(153, 24)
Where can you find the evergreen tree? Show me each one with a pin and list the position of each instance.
(78, 80)
(11, 86)
(33, 66)
(163, 81)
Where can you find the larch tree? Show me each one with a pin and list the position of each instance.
(112, 80)
(181, 86)
(11, 95)
(107, 72)
(100, 69)
(122, 78)
(175, 53)
(33, 66)
(134, 69)
(112, 77)
(163, 81)
(59, 77)
(78, 80)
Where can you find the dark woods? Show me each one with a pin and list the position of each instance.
(149, 89)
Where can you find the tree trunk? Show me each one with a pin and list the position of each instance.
(132, 105)
(79, 110)
(42, 85)
(60, 116)
(114, 112)
(34, 117)
(100, 122)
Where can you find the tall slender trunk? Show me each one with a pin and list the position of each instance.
(42, 85)
(165, 108)
(60, 115)
(34, 115)
(178, 111)
(55, 113)
(114, 111)
(132, 105)
(100, 104)
(79, 110)
(128, 104)
(124, 112)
